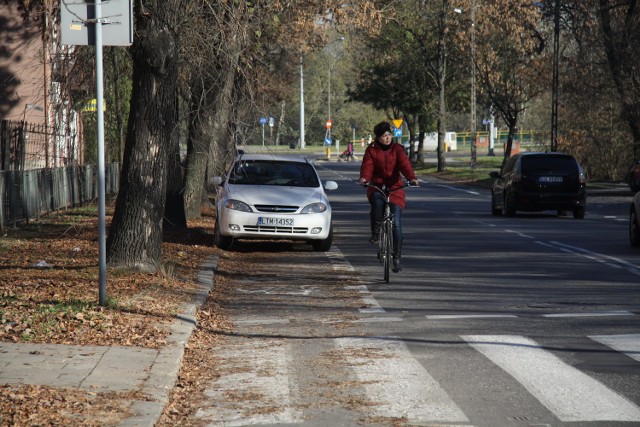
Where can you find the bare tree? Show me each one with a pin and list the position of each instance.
(135, 236)
(620, 23)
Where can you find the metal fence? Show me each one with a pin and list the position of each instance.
(25, 195)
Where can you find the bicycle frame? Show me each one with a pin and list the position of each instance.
(385, 238)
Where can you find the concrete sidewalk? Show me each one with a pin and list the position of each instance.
(154, 372)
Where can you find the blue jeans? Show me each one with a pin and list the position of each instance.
(377, 211)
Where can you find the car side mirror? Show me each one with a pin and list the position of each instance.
(494, 174)
(214, 181)
(330, 185)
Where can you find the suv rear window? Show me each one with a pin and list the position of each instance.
(534, 164)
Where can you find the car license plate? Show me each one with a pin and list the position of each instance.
(285, 222)
(550, 179)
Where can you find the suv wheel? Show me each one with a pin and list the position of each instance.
(494, 210)
(509, 209)
(634, 228)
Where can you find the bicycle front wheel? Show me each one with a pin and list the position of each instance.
(386, 242)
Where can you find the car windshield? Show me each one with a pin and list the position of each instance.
(533, 164)
(263, 172)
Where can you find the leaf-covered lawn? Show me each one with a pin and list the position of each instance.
(49, 284)
(49, 294)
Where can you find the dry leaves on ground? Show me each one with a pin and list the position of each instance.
(49, 294)
(49, 284)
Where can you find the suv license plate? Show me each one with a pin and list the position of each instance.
(286, 222)
(550, 179)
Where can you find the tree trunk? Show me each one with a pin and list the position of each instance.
(622, 56)
(204, 157)
(197, 151)
(135, 236)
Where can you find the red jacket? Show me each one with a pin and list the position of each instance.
(384, 167)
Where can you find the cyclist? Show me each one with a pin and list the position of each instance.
(383, 163)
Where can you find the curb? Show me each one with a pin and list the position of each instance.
(163, 374)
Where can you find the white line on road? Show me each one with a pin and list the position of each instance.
(592, 314)
(628, 344)
(396, 384)
(468, 316)
(567, 392)
(256, 370)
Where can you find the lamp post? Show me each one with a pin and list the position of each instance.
(474, 150)
(302, 143)
(554, 88)
(329, 121)
(472, 101)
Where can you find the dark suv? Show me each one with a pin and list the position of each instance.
(536, 182)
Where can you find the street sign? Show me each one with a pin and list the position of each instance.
(263, 120)
(398, 122)
(77, 21)
(327, 141)
(397, 132)
(271, 121)
(329, 123)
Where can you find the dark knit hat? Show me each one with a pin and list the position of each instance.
(381, 128)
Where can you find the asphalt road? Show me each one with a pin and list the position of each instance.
(495, 321)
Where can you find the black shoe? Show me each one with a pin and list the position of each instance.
(397, 268)
(374, 239)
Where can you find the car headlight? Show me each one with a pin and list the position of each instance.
(314, 208)
(237, 205)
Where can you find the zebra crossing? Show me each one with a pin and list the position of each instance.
(260, 382)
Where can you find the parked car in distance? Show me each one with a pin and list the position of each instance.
(535, 182)
(266, 196)
(634, 221)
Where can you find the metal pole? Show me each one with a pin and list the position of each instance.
(102, 247)
(329, 111)
(554, 89)
(302, 142)
(473, 87)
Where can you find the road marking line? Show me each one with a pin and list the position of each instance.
(396, 384)
(340, 262)
(567, 392)
(468, 316)
(628, 344)
(591, 314)
(257, 371)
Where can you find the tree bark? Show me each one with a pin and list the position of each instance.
(621, 47)
(209, 132)
(135, 236)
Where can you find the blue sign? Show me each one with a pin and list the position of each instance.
(263, 120)
(327, 141)
(397, 132)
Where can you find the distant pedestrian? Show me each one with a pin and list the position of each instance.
(350, 151)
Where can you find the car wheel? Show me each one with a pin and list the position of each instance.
(494, 210)
(562, 212)
(325, 244)
(222, 242)
(509, 208)
(634, 228)
(578, 213)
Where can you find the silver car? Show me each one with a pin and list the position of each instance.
(266, 196)
(634, 221)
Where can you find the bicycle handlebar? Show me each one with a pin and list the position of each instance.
(383, 189)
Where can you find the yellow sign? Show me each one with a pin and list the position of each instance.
(397, 123)
(91, 105)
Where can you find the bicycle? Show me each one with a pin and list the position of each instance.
(385, 229)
